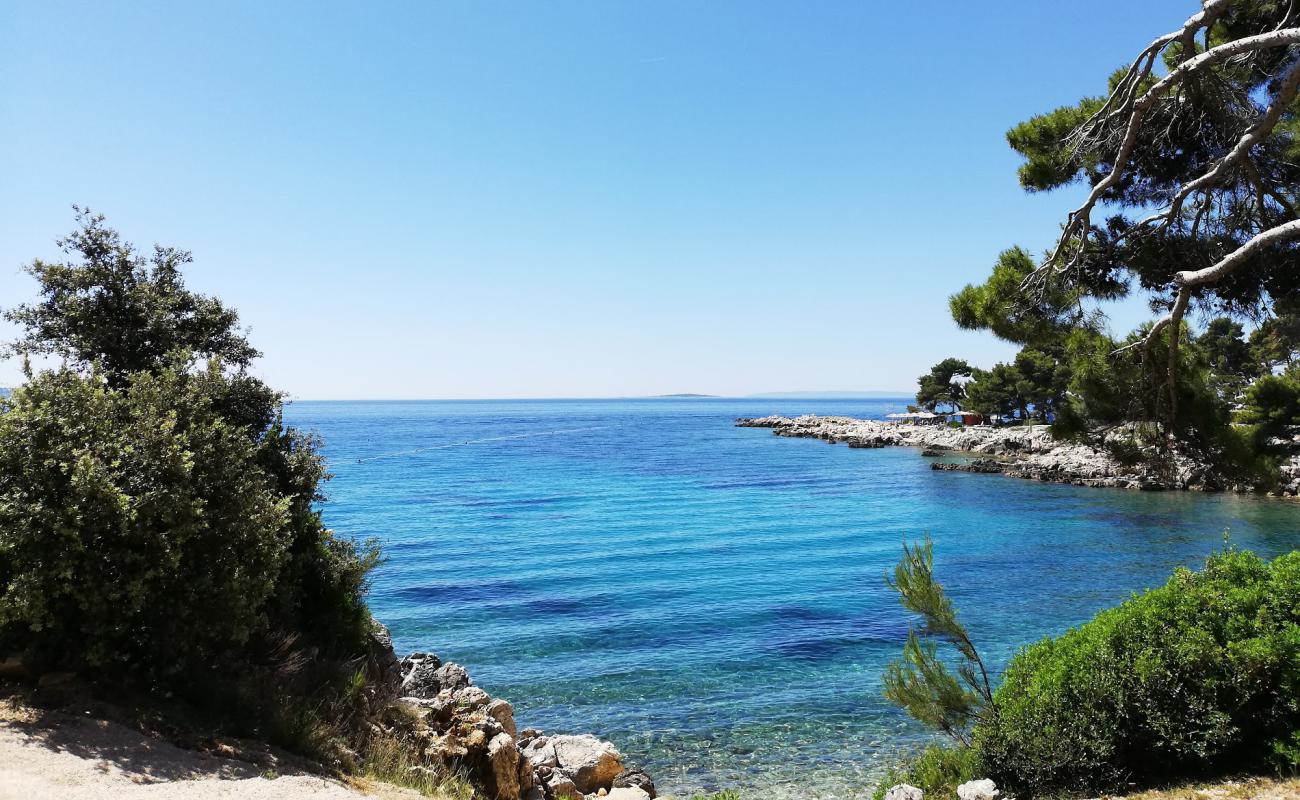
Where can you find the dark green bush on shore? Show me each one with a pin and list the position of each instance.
(1198, 677)
(157, 519)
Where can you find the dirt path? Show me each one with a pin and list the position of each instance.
(64, 757)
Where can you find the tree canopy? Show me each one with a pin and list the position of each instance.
(1191, 184)
(940, 385)
(1194, 149)
(157, 518)
(120, 312)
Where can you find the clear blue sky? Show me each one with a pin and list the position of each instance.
(485, 199)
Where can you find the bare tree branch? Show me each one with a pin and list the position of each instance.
(1262, 128)
(1078, 224)
(1187, 281)
(1141, 68)
(1282, 233)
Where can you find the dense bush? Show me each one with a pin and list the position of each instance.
(157, 519)
(1198, 676)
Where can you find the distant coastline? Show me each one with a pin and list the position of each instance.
(1017, 451)
(836, 395)
(682, 395)
(827, 395)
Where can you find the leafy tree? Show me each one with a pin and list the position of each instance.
(1042, 383)
(1036, 379)
(1002, 306)
(135, 523)
(996, 391)
(120, 311)
(1195, 146)
(921, 683)
(1231, 360)
(1104, 389)
(940, 386)
(1272, 406)
(1276, 342)
(157, 518)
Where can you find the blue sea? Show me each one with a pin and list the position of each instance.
(712, 598)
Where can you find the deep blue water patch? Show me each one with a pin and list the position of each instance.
(712, 598)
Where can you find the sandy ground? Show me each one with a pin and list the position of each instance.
(1246, 789)
(64, 757)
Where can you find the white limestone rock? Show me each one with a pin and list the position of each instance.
(904, 791)
(983, 789)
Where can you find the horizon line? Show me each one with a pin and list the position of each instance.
(868, 395)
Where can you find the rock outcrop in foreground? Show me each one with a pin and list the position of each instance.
(451, 724)
(1017, 452)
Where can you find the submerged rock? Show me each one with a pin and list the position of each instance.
(984, 466)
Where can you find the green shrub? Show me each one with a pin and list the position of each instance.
(138, 527)
(937, 770)
(158, 526)
(1199, 676)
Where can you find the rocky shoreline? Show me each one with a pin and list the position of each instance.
(1027, 452)
(452, 725)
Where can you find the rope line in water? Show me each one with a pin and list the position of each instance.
(401, 453)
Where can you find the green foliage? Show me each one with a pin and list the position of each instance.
(1180, 137)
(390, 760)
(1107, 387)
(1042, 380)
(157, 519)
(1036, 380)
(1272, 406)
(137, 524)
(940, 387)
(1276, 341)
(995, 391)
(936, 770)
(1230, 358)
(1049, 165)
(1197, 677)
(1001, 304)
(120, 311)
(921, 683)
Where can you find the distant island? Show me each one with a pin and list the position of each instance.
(679, 395)
(829, 395)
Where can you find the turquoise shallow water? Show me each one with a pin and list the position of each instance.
(711, 598)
